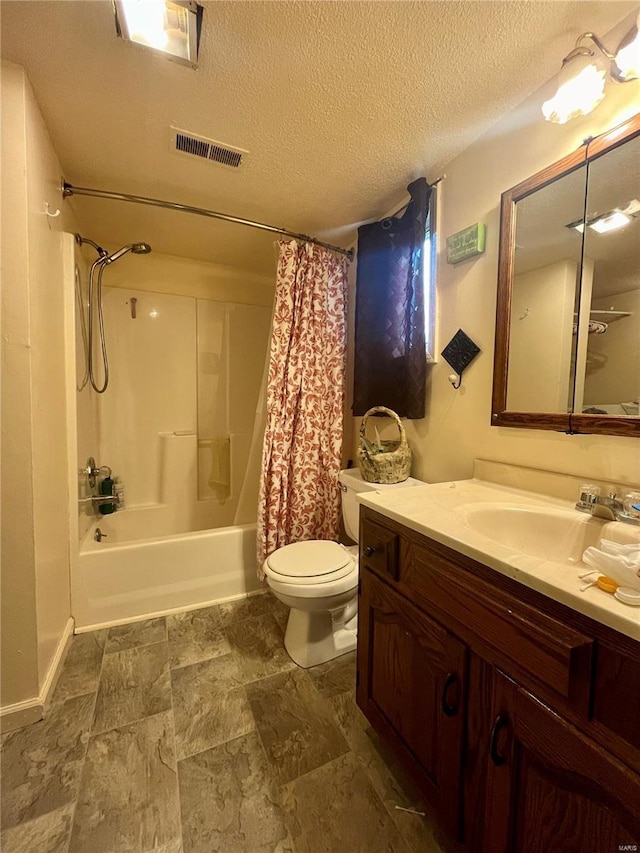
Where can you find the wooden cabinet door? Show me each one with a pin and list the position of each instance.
(549, 788)
(411, 686)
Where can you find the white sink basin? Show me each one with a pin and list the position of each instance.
(549, 533)
(535, 540)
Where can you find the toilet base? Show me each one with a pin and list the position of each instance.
(314, 637)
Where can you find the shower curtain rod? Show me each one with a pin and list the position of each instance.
(69, 190)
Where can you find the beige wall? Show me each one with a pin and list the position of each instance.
(35, 554)
(19, 650)
(186, 277)
(48, 418)
(457, 427)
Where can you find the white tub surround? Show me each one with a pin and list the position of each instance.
(177, 420)
(449, 513)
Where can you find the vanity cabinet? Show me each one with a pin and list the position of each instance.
(412, 689)
(549, 788)
(518, 717)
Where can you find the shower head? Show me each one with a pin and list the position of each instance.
(136, 248)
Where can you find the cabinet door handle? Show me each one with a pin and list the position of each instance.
(369, 551)
(500, 722)
(449, 709)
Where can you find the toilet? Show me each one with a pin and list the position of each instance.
(318, 580)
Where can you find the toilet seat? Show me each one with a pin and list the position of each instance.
(320, 591)
(316, 561)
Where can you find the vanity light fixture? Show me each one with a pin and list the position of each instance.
(169, 27)
(603, 224)
(628, 55)
(584, 73)
(609, 221)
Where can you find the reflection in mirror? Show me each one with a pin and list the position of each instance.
(560, 362)
(544, 296)
(608, 378)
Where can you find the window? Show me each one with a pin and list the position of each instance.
(430, 255)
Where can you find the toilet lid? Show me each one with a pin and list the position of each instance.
(312, 559)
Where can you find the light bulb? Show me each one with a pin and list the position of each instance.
(146, 21)
(627, 58)
(162, 25)
(580, 90)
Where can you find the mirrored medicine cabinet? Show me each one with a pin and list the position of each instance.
(567, 353)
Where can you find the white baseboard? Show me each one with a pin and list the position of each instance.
(31, 710)
(21, 714)
(58, 658)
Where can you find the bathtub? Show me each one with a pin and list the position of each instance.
(124, 579)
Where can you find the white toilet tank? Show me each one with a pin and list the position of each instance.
(351, 483)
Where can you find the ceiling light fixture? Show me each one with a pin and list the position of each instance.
(584, 73)
(169, 27)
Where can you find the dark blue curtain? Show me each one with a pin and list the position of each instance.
(390, 358)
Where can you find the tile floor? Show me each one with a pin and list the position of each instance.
(196, 733)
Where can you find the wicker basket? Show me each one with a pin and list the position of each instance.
(392, 464)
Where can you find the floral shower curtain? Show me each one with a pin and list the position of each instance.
(299, 493)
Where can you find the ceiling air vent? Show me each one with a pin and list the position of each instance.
(192, 145)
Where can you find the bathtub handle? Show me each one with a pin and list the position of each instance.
(99, 535)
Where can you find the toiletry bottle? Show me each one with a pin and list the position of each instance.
(118, 490)
(106, 488)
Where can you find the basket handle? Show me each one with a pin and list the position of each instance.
(386, 411)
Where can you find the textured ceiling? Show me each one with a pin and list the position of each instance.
(340, 104)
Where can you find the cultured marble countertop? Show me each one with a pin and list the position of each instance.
(439, 511)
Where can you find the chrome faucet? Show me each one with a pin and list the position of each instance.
(610, 508)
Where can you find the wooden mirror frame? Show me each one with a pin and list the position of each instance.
(569, 422)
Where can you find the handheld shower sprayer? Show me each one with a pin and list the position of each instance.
(95, 298)
(136, 248)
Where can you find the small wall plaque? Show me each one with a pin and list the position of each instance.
(460, 352)
(466, 243)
